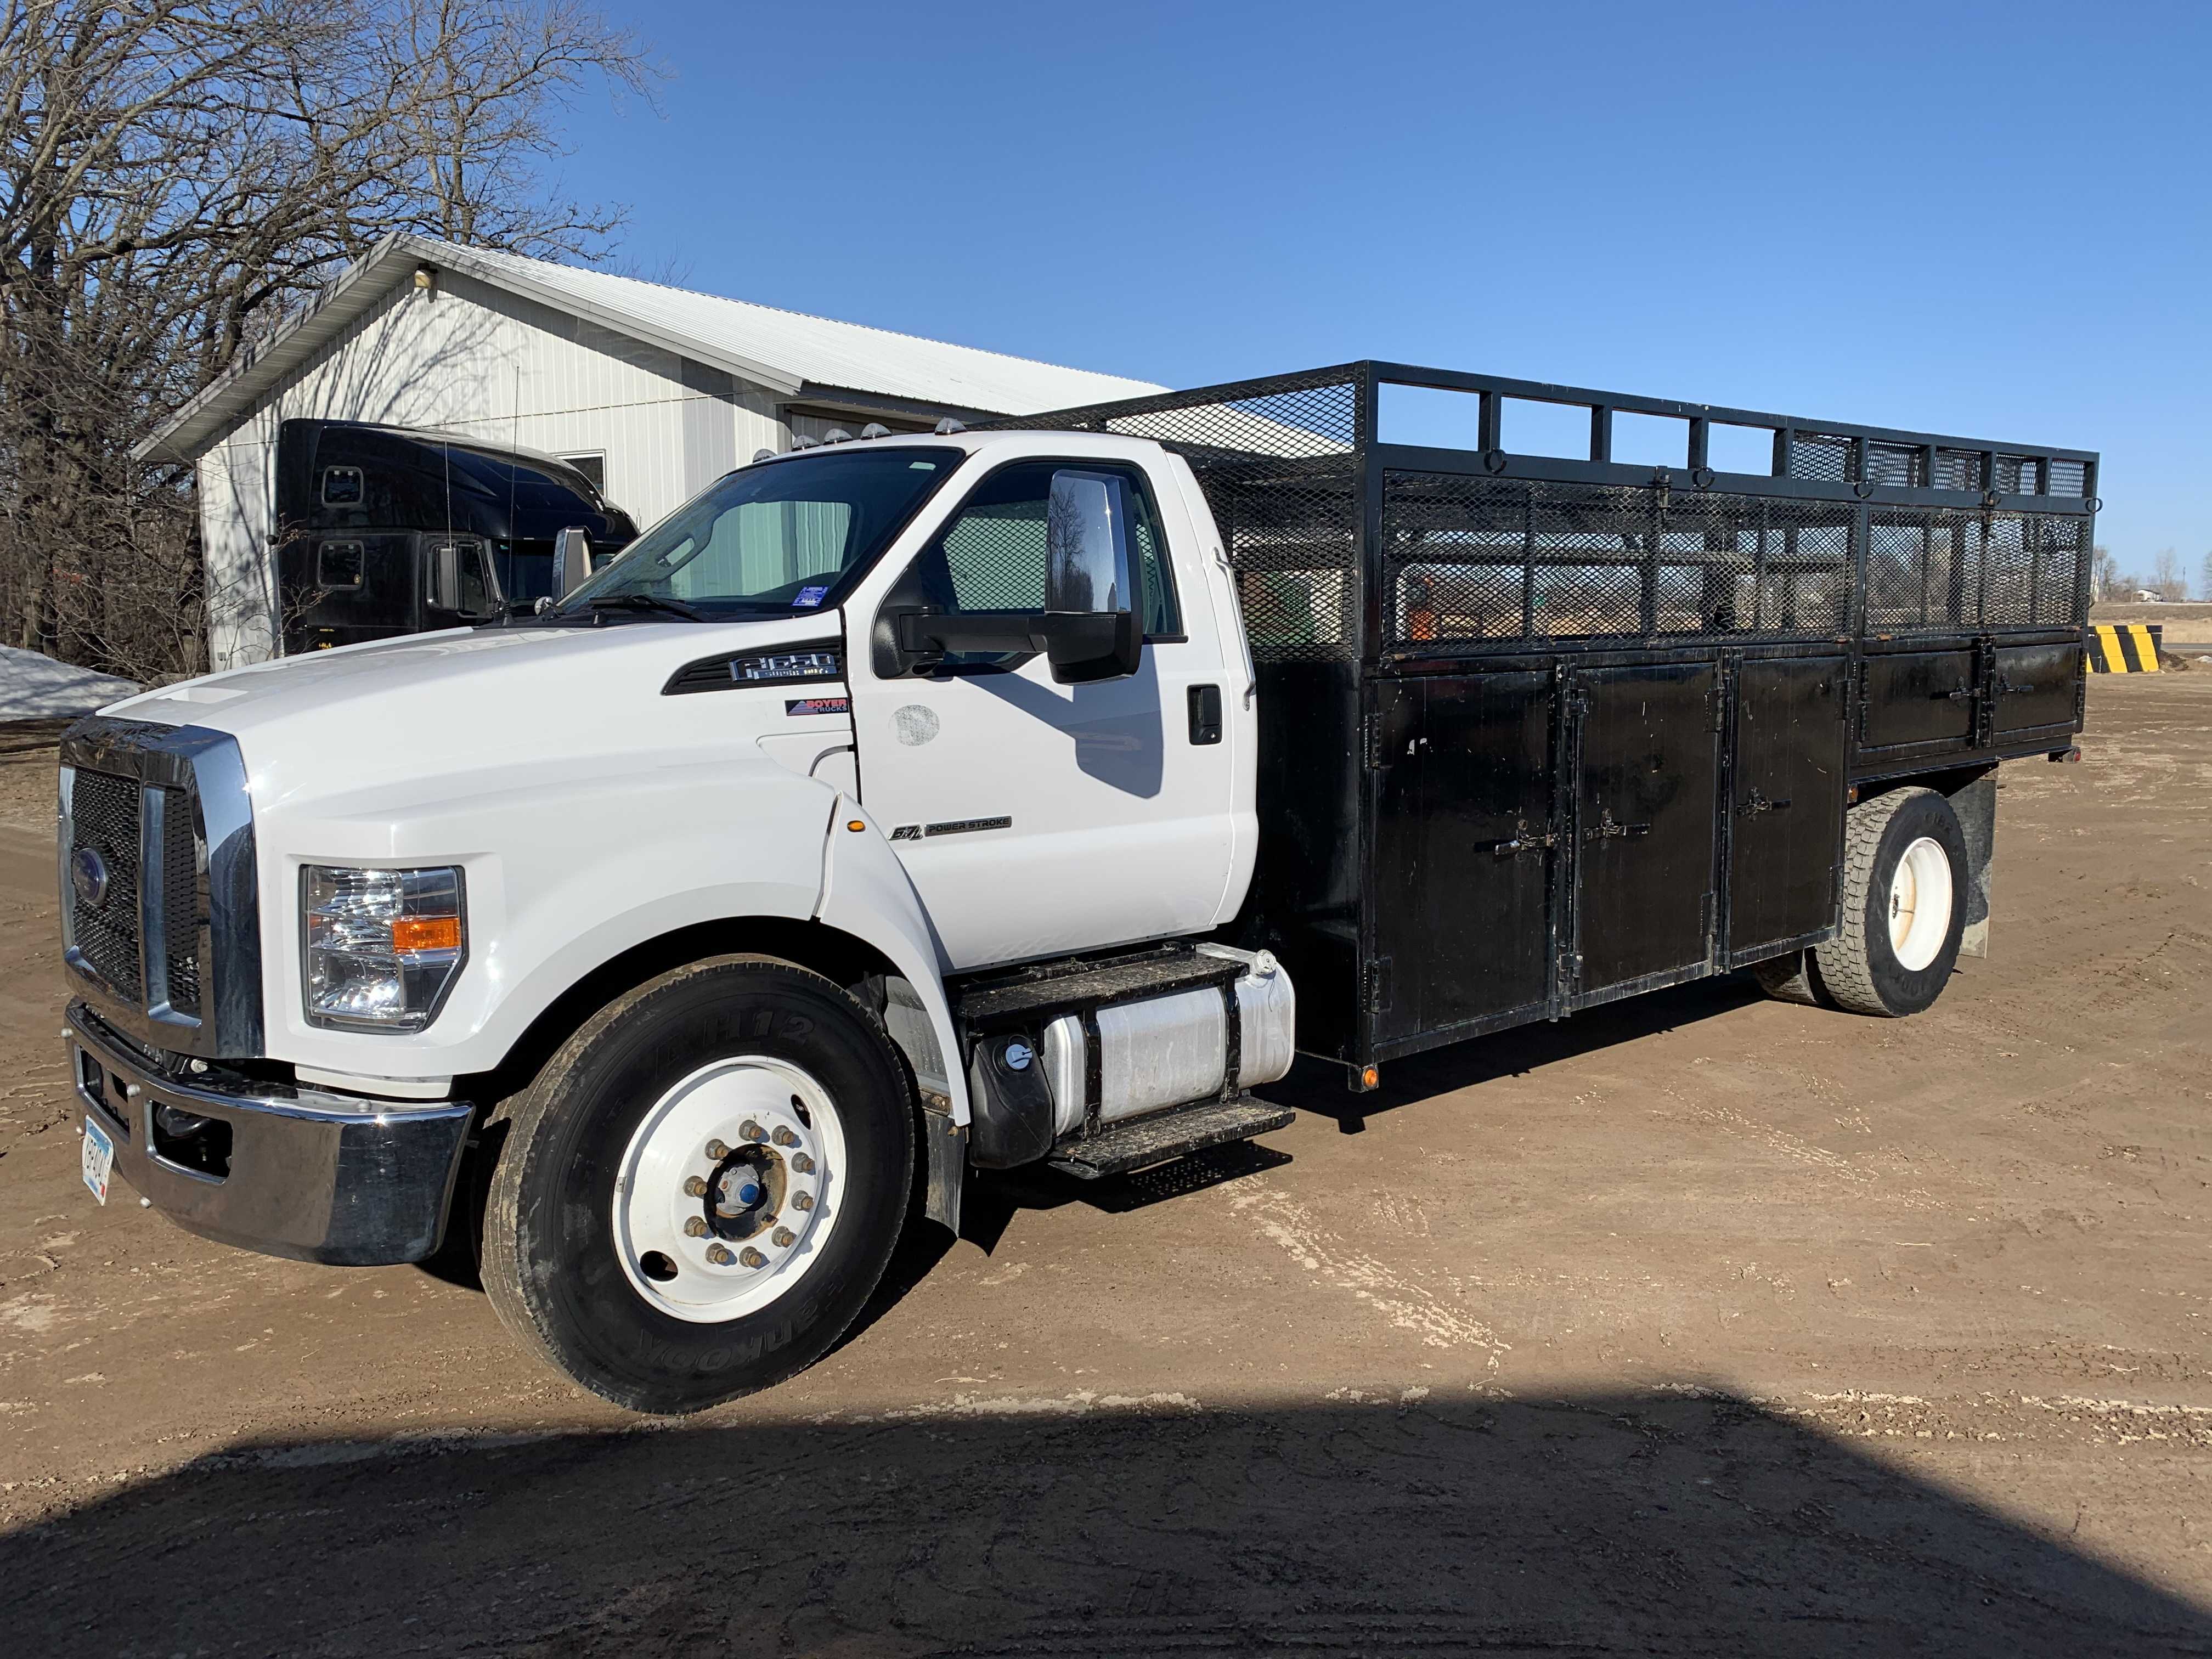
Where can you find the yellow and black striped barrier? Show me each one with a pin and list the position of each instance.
(2124, 647)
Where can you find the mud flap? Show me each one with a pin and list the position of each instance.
(945, 1144)
(1975, 804)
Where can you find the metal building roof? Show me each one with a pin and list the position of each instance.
(786, 352)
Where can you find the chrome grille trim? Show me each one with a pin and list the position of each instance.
(199, 993)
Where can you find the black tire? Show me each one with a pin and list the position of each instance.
(1790, 979)
(549, 1263)
(1857, 970)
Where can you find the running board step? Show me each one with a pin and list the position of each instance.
(1121, 1148)
(1038, 993)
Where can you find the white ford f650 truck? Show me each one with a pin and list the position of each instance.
(908, 804)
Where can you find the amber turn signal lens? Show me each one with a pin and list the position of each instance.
(856, 825)
(426, 933)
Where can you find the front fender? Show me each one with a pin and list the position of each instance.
(865, 892)
(563, 877)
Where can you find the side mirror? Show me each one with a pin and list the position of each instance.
(1093, 579)
(445, 576)
(463, 581)
(572, 558)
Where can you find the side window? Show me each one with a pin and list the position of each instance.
(337, 564)
(992, 556)
(341, 486)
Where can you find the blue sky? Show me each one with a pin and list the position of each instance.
(1989, 220)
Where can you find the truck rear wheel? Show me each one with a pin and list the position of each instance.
(695, 1197)
(1905, 882)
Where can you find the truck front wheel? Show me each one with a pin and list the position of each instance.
(696, 1196)
(1905, 880)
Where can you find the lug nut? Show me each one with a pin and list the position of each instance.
(749, 1130)
(802, 1201)
(695, 1228)
(720, 1256)
(783, 1238)
(695, 1187)
(784, 1138)
(802, 1164)
(717, 1150)
(752, 1258)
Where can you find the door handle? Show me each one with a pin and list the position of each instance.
(1205, 714)
(1757, 802)
(1523, 839)
(1606, 829)
(1960, 694)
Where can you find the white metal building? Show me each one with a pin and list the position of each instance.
(654, 390)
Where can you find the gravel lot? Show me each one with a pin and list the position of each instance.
(1701, 1324)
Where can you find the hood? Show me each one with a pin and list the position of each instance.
(431, 715)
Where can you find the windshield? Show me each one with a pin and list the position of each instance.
(778, 535)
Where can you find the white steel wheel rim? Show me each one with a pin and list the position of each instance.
(763, 1113)
(1920, 904)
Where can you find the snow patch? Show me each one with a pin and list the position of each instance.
(34, 687)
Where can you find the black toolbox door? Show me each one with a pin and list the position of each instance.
(1647, 760)
(1786, 822)
(1915, 699)
(2034, 689)
(1462, 866)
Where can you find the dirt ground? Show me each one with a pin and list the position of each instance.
(1702, 1324)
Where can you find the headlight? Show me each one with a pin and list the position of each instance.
(381, 947)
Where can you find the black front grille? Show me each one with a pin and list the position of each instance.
(104, 813)
(180, 903)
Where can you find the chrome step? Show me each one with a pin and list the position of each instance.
(1141, 1142)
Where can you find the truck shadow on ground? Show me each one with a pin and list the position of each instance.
(1316, 1087)
(1319, 1087)
(1680, 1523)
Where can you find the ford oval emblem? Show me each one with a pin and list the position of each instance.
(89, 876)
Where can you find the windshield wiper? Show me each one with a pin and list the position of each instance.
(648, 602)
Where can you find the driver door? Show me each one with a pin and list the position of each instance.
(1036, 818)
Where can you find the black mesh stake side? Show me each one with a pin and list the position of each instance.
(1510, 548)
(1472, 560)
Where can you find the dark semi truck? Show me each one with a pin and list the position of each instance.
(1540, 731)
(385, 530)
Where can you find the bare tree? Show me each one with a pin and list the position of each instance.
(2104, 573)
(2166, 580)
(175, 174)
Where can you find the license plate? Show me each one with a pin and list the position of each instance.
(99, 1159)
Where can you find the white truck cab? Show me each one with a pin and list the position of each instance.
(672, 888)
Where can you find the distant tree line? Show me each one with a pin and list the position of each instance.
(2168, 578)
(177, 175)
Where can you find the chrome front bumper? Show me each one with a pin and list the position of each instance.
(291, 1171)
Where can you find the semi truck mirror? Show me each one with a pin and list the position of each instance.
(572, 558)
(445, 576)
